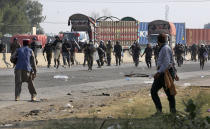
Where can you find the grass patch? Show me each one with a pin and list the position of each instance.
(135, 112)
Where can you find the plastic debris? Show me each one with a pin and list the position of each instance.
(114, 127)
(187, 84)
(151, 76)
(61, 77)
(148, 82)
(68, 105)
(8, 125)
(202, 76)
(127, 79)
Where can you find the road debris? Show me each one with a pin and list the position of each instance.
(61, 77)
(33, 113)
(136, 75)
(68, 105)
(187, 84)
(127, 79)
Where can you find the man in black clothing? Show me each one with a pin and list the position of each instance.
(85, 53)
(118, 52)
(148, 55)
(194, 50)
(203, 55)
(48, 50)
(35, 46)
(90, 49)
(136, 50)
(66, 52)
(156, 53)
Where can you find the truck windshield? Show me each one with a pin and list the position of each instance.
(82, 36)
(70, 36)
(152, 38)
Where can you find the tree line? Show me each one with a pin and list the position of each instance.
(19, 16)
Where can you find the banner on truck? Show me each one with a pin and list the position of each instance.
(180, 33)
(143, 32)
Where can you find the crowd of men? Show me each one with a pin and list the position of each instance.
(25, 61)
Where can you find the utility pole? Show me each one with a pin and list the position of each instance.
(166, 12)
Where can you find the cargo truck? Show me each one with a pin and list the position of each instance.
(159, 26)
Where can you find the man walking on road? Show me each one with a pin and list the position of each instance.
(14, 46)
(136, 50)
(148, 55)
(118, 53)
(25, 70)
(48, 50)
(165, 62)
(109, 52)
(57, 45)
(66, 53)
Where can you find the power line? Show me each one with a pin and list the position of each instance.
(132, 2)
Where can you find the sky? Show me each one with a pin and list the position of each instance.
(195, 13)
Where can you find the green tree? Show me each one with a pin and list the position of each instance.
(19, 16)
(207, 26)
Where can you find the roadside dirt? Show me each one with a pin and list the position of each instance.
(73, 104)
(102, 102)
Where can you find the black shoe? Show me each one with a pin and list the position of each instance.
(158, 113)
(173, 111)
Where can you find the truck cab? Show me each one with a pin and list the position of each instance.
(79, 37)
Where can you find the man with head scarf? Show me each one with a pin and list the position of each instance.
(25, 69)
(165, 62)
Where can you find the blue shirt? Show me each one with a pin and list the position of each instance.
(24, 55)
(165, 59)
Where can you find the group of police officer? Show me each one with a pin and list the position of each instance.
(102, 52)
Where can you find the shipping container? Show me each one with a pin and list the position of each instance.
(197, 36)
(143, 33)
(126, 32)
(40, 38)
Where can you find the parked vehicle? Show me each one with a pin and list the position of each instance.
(80, 37)
(143, 33)
(126, 32)
(159, 26)
(82, 24)
(40, 38)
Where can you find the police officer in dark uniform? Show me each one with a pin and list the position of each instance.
(156, 53)
(136, 50)
(66, 52)
(85, 53)
(118, 52)
(179, 53)
(148, 55)
(14, 46)
(109, 52)
(203, 54)
(101, 52)
(35, 46)
(90, 49)
(194, 50)
(57, 46)
(48, 49)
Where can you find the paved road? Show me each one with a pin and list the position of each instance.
(81, 79)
